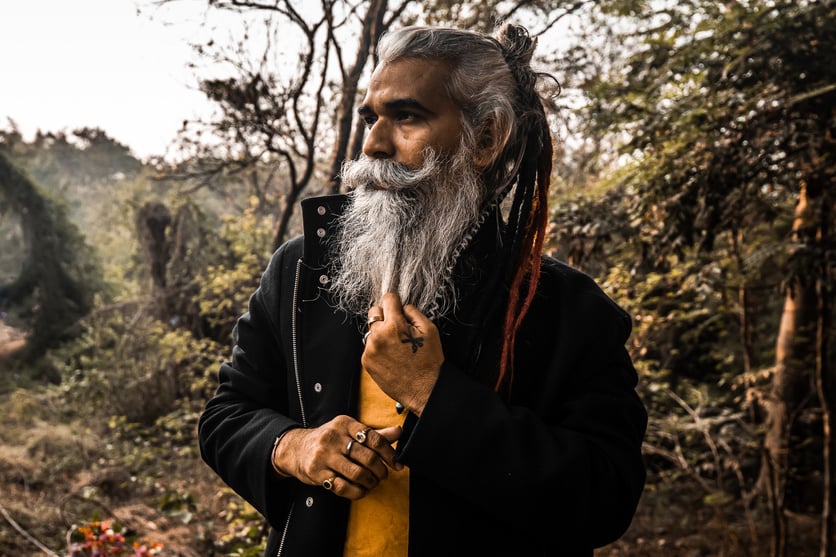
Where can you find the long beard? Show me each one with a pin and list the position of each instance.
(404, 230)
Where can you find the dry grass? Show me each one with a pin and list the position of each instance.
(56, 472)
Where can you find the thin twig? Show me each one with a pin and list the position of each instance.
(26, 534)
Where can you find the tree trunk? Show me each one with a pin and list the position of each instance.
(825, 380)
(153, 221)
(794, 349)
(743, 301)
(282, 222)
(372, 28)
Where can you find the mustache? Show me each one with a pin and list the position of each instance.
(386, 174)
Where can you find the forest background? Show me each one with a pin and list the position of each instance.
(694, 181)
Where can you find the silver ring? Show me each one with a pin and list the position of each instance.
(366, 336)
(329, 483)
(348, 448)
(360, 436)
(373, 319)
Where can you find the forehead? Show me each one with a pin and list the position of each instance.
(418, 79)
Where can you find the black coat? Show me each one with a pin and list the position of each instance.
(552, 468)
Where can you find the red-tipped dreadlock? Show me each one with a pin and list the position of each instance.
(509, 112)
(531, 249)
(529, 211)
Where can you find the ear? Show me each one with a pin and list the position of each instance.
(488, 146)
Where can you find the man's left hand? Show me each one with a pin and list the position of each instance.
(403, 352)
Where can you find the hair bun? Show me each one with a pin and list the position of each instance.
(518, 49)
(517, 44)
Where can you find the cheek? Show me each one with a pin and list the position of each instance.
(412, 150)
(449, 137)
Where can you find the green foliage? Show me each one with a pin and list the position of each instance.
(246, 530)
(718, 110)
(127, 364)
(59, 274)
(99, 184)
(724, 104)
(595, 230)
(226, 286)
(13, 253)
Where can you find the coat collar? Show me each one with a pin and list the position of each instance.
(319, 220)
(480, 277)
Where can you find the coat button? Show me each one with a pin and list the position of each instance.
(317, 387)
(323, 279)
(321, 210)
(320, 232)
(309, 502)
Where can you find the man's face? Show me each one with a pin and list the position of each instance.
(407, 109)
(416, 194)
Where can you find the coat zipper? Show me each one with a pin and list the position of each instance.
(294, 336)
(295, 351)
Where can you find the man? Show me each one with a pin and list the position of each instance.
(412, 377)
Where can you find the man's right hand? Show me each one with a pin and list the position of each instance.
(334, 452)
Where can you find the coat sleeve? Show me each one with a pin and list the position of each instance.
(249, 409)
(561, 459)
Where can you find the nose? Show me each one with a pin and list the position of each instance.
(378, 143)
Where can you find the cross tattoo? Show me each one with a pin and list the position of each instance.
(417, 342)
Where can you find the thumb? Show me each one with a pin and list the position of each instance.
(391, 433)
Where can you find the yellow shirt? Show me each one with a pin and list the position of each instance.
(378, 524)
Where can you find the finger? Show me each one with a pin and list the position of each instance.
(360, 465)
(374, 315)
(392, 306)
(360, 474)
(368, 457)
(345, 488)
(367, 466)
(391, 433)
(380, 441)
(417, 319)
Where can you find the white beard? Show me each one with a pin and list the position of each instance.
(403, 231)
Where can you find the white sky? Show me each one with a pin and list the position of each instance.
(66, 64)
(119, 65)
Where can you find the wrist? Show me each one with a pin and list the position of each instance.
(274, 456)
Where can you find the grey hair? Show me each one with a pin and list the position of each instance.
(494, 85)
(484, 82)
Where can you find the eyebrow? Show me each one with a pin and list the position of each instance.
(395, 105)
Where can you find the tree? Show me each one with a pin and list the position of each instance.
(727, 109)
(276, 122)
(59, 275)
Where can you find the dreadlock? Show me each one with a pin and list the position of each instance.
(528, 216)
(492, 81)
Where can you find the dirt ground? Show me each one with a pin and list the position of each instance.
(54, 476)
(56, 473)
(49, 481)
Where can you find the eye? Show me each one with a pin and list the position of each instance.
(404, 116)
(369, 120)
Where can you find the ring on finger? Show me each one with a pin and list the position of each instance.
(366, 336)
(329, 483)
(348, 448)
(361, 435)
(373, 319)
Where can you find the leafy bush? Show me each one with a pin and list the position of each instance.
(226, 286)
(134, 366)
